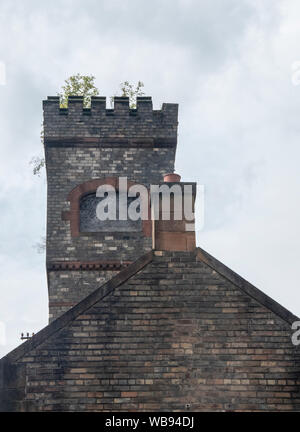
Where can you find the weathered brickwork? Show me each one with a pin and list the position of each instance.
(82, 145)
(176, 334)
(69, 287)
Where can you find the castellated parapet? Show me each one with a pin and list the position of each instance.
(159, 126)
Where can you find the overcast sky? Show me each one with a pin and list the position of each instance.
(228, 63)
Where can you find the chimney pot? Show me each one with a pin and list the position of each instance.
(172, 178)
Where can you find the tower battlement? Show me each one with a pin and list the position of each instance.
(100, 122)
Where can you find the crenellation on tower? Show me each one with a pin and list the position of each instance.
(100, 122)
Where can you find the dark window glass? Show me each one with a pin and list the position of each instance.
(89, 221)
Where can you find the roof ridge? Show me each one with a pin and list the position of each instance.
(79, 308)
(246, 286)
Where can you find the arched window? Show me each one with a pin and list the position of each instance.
(83, 211)
(89, 220)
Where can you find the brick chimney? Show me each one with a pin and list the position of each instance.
(173, 226)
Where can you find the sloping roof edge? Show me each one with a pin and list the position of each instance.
(78, 309)
(246, 286)
(127, 273)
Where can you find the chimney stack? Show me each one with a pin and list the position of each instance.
(173, 222)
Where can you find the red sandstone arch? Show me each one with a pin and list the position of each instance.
(89, 187)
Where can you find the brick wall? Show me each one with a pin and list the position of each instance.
(177, 333)
(69, 287)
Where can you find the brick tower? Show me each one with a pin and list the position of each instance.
(85, 148)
